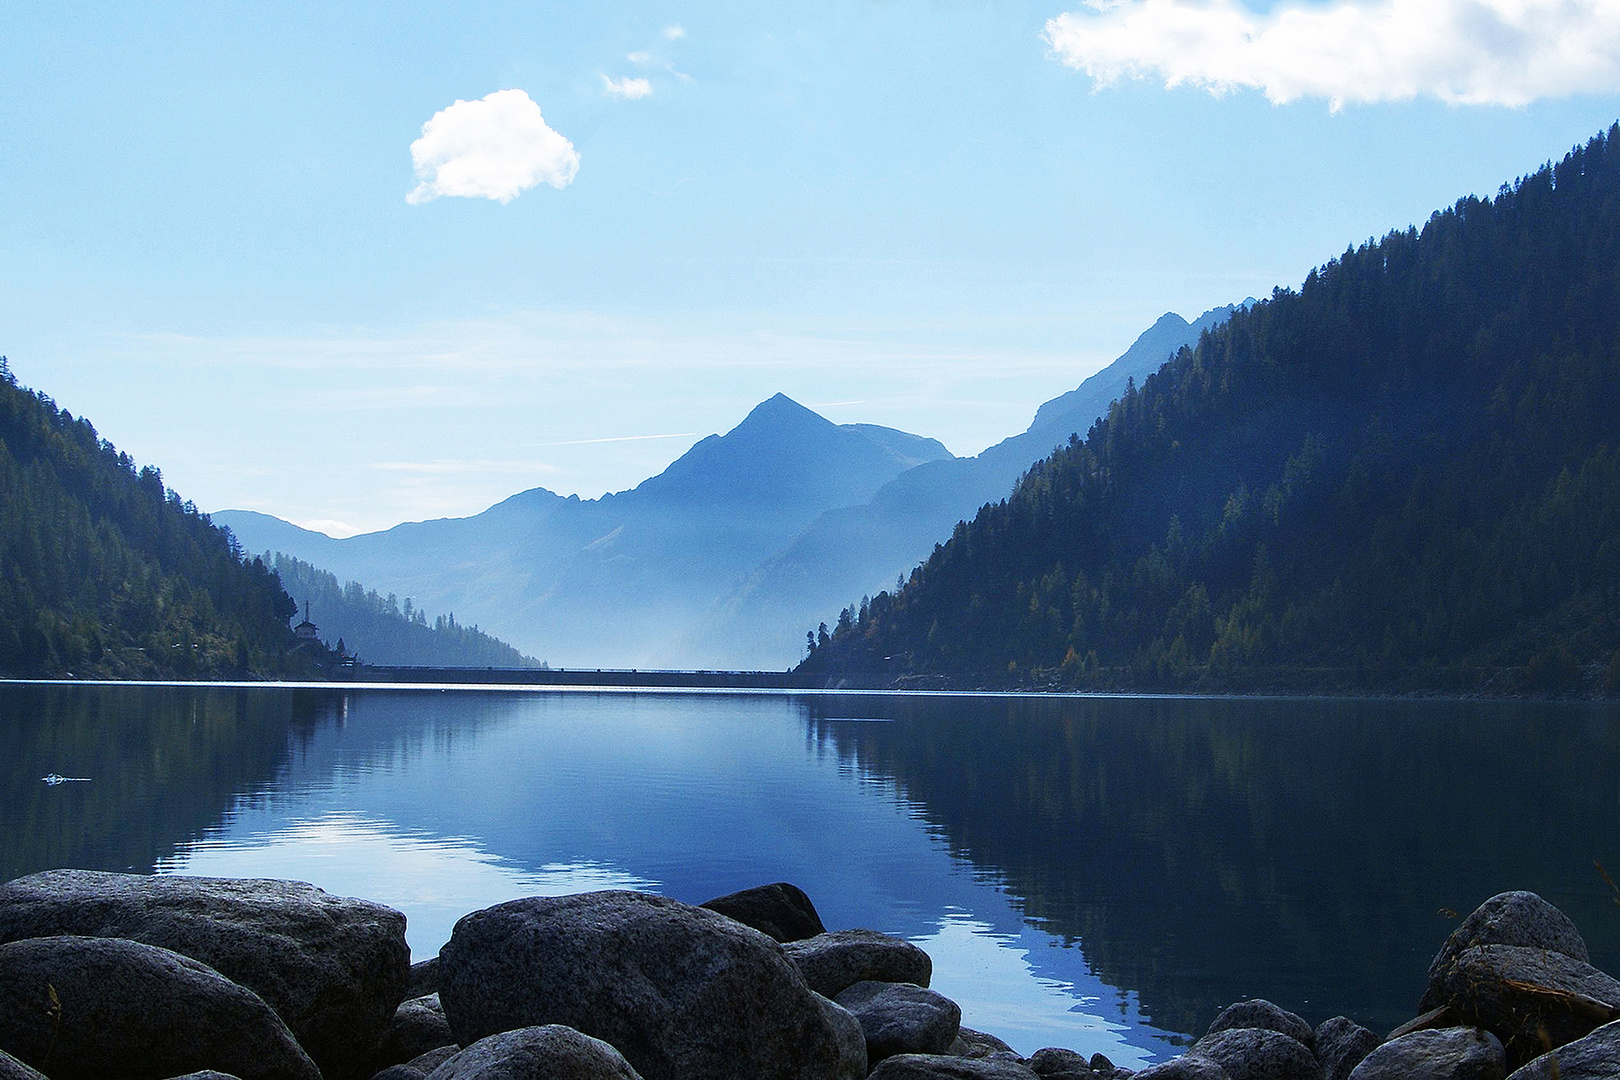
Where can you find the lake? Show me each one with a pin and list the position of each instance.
(1098, 873)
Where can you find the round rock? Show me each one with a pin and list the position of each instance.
(945, 1067)
(1510, 918)
(1465, 1053)
(902, 1018)
(680, 991)
(79, 1008)
(333, 968)
(418, 1026)
(548, 1052)
(1185, 1067)
(1341, 1043)
(831, 963)
(1259, 1054)
(1260, 1013)
(1534, 1000)
(781, 910)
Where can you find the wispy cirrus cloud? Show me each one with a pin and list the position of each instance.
(1464, 52)
(494, 148)
(627, 88)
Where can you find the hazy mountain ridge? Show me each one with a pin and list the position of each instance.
(860, 549)
(379, 631)
(613, 581)
(1401, 476)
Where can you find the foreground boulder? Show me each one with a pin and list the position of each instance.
(1462, 1053)
(1534, 1000)
(1595, 1057)
(680, 991)
(80, 1008)
(1186, 1067)
(781, 910)
(832, 963)
(334, 969)
(418, 1026)
(1258, 1054)
(901, 1018)
(1260, 1013)
(1341, 1044)
(550, 1052)
(1510, 918)
(944, 1067)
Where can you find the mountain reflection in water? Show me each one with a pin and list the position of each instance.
(1098, 873)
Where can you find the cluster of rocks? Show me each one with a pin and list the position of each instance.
(150, 978)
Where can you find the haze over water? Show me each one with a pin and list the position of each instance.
(1098, 873)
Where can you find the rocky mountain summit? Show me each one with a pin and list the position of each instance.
(150, 978)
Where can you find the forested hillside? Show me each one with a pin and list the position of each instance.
(1403, 476)
(379, 631)
(106, 573)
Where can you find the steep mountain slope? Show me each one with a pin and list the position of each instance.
(861, 548)
(614, 581)
(378, 631)
(1401, 477)
(104, 572)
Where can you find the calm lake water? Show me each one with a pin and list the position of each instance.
(1098, 873)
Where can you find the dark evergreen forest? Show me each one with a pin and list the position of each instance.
(378, 630)
(106, 573)
(1402, 477)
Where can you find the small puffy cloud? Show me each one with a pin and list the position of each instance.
(626, 89)
(640, 59)
(674, 32)
(1468, 52)
(495, 148)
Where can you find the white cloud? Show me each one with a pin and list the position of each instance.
(1466, 52)
(494, 148)
(640, 59)
(674, 31)
(626, 89)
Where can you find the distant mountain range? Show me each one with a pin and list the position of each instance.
(727, 556)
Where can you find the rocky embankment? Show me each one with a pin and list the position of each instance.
(149, 978)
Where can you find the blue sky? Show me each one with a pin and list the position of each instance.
(931, 215)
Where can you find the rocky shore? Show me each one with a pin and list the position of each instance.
(151, 978)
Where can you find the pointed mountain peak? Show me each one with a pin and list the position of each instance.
(780, 407)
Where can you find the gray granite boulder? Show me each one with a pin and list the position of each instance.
(12, 1069)
(902, 1018)
(333, 968)
(680, 991)
(1060, 1063)
(1594, 1057)
(1510, 918)
(423, 979)
(1534, 1000)
(1461, 1053)
(419, 1067)
(80, 1008)
(1260, 1013)
(207, 1074)
(1258, 1054)
(946, 1067)
(831, 963)
(1341, 1043)
(781, 910)
(418, 1026)
(1185, 1067)
(549, 1052)
(970, 1043)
